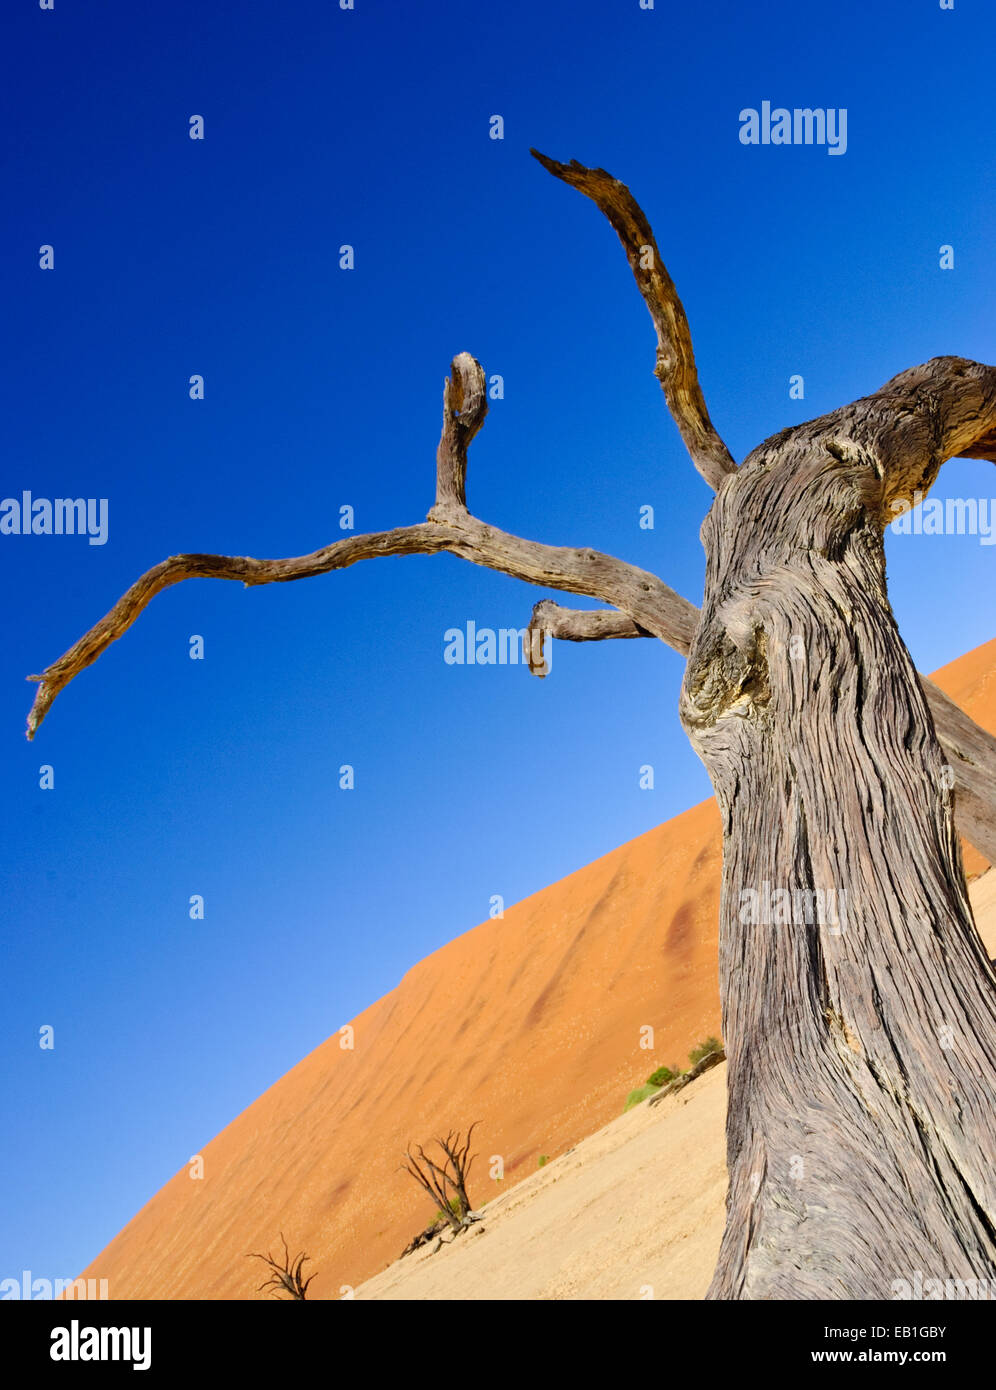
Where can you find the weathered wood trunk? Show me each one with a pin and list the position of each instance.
(862, 1047)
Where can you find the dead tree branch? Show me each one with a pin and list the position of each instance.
(285, 1277)
(465, 404)
(432, 1182)
(449, 527)
(551, 619)
(706, 1063)
(675, 369)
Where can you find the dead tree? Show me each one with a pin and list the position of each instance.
(862, 1062)
(285, 1278)
(422, 1238)
(446, 1183)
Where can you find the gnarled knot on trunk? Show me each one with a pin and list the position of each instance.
(725, 676)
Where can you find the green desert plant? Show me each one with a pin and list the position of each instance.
(543, 1159)
(703, 1050)
(663, 1076)
(640, 1094)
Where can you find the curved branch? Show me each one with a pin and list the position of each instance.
(581, 625)
(675, 369)
(405, 541)
(449, 528)
(941, 409)
(589, 572)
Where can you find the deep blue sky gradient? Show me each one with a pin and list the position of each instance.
(324, 387)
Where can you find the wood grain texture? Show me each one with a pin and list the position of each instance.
(862, 1050)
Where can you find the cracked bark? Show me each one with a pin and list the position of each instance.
(861, 1050)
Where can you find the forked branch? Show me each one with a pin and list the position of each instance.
(449, 527)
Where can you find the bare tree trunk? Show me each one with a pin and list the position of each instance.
(862, 1048)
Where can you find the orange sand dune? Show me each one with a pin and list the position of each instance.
(531, 1024)
(971, 682)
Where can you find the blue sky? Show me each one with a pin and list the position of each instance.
(323, 388)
